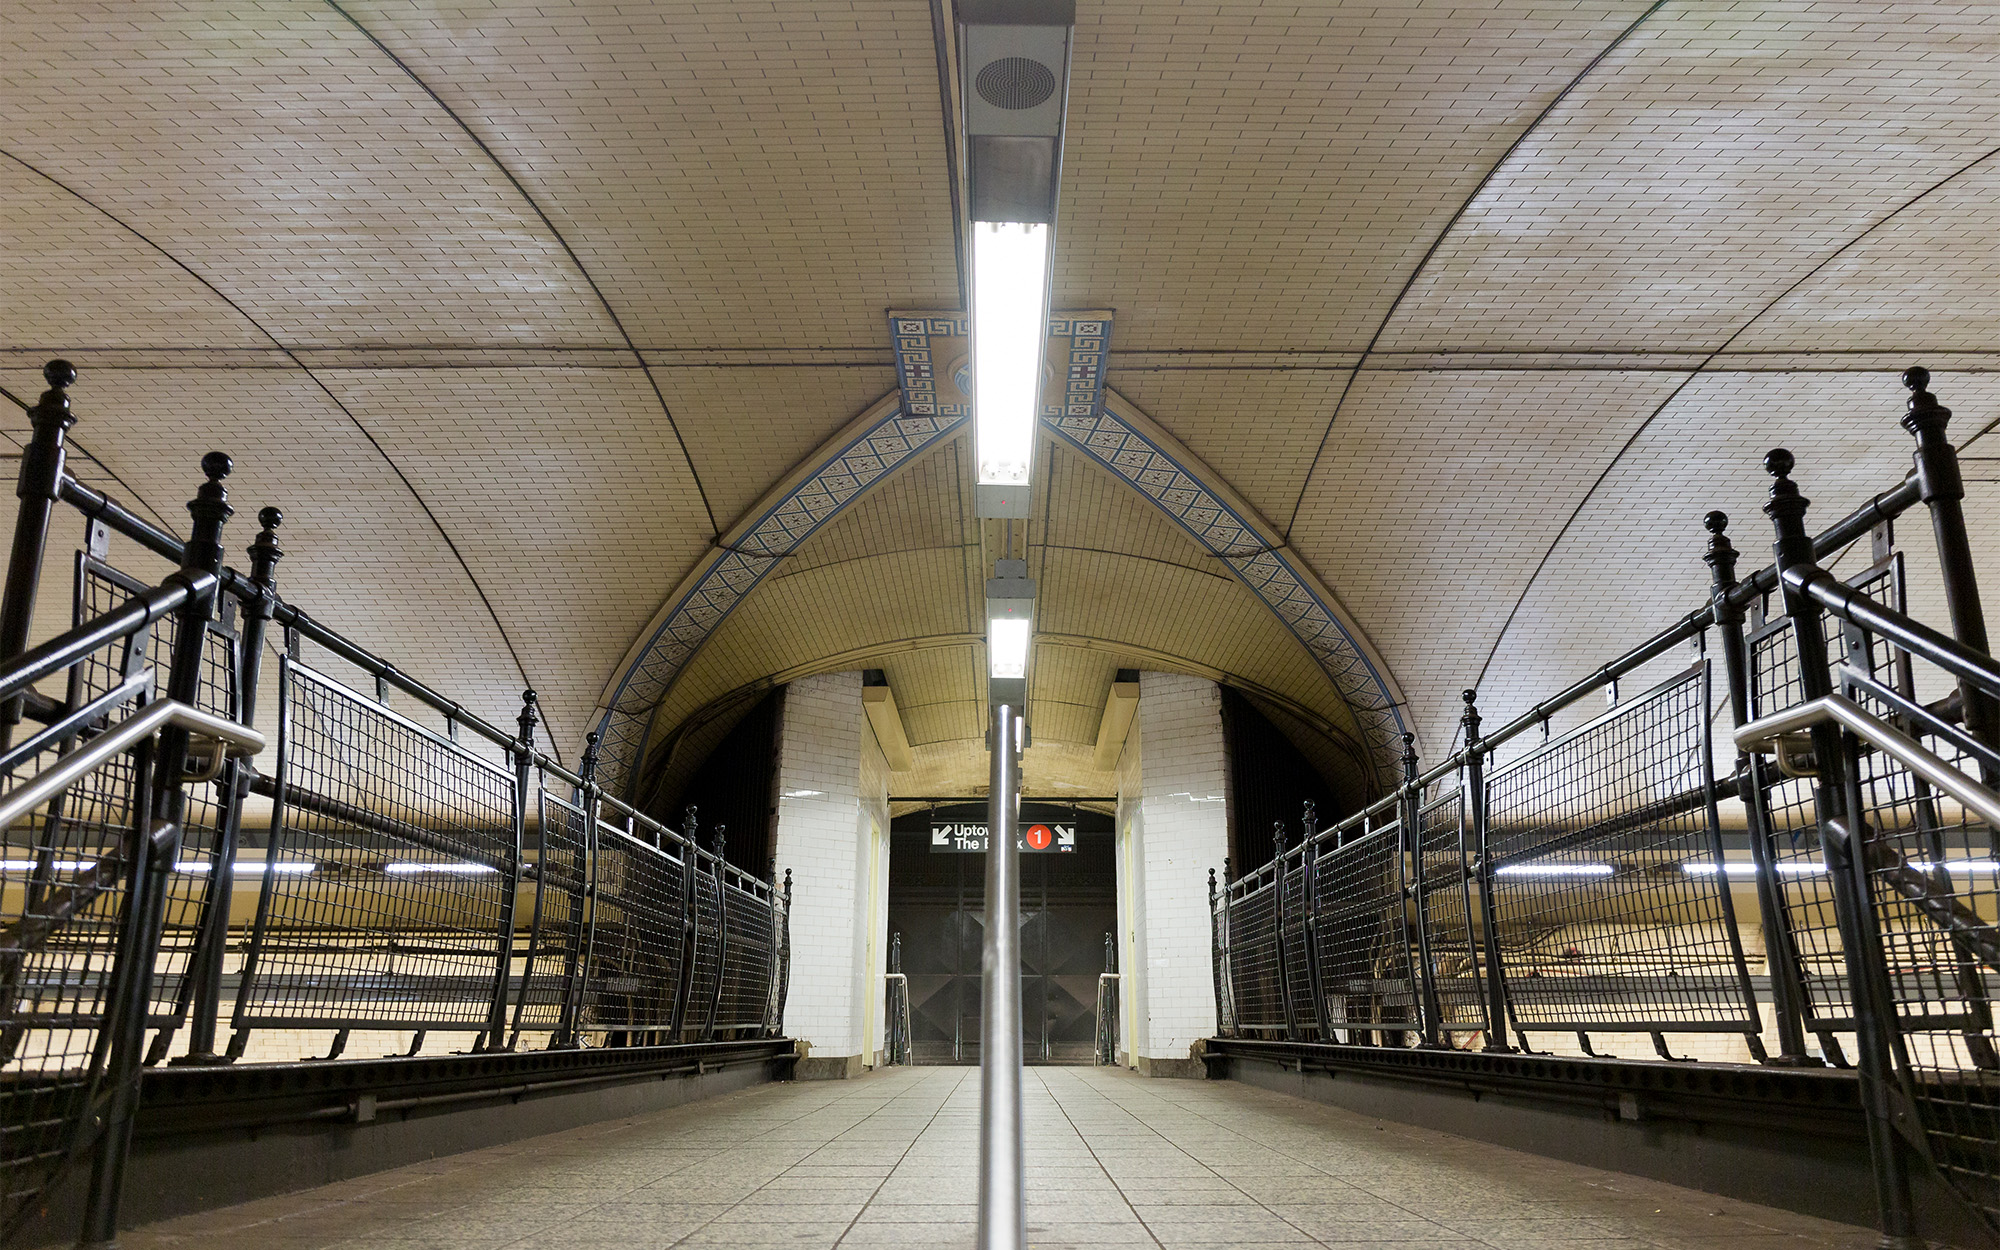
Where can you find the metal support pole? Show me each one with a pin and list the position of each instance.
(1781, 960)
(212, 944)
(1002, 1210)
(1840, 834)
(1475, 804)
(1413, 846)
(38, 488)
(155, 845)
(1943, 492)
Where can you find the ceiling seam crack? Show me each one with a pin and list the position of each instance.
(535, 207)
(259, 326)
(1306, 483)
(1700, 369)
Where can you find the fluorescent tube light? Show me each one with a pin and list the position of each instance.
(404, 869)
(1007, 646)
(1555, 870)
(1010, 327)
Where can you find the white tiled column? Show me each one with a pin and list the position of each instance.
(1173, 827)
(831, 803)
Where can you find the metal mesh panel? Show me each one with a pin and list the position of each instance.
(749, 955)
(1933, 875)
(1826, 1007)
(551, 983)
(705, 975)
(67, 878)
(1447, 903)
(389, 877)
(101, 589)
(1297, 881)
(638, 933)
(1361, 933)
(1253, 952)
(1609, 892)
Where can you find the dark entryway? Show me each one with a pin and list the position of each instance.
(1068, 904)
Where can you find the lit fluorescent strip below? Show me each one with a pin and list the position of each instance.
(254, 866)
(1965, 867)
(1555, 870)
(1010, 326)
(1007, 646)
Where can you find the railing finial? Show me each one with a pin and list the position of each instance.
(1278, 835)
(587, 769)
(1409, 758)
(1471, 718)
(528, 719)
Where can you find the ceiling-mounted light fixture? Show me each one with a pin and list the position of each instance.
(1010, 618)
(1014, 58)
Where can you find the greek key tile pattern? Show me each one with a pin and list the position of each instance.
(708, 600)
(1114, 442)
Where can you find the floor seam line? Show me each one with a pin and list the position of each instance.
(915, 1138)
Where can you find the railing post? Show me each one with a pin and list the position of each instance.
(1284, 918)
(1841, 840)
(1475, 806)
(1425, 973)
(677, 1022)
(785, 962)
(523, 752)
(1781, 961)
(1228, 955)
(155, 846)
(720, 839)
(1216, 952)
(1943, 491)
(212, 944)
(37, 487)
(1309, 929)
(576, 960)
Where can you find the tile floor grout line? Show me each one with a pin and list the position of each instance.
(914, 1139)
(1211, 1170)
(1094, 1158)
(836, 1137)
(823, 1105)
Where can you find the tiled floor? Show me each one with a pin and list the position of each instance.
(889, 1160)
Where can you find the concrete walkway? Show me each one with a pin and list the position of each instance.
(891, 1160)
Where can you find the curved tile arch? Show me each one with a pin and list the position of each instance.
(1128, 443)
(1109, 429)
(930, 407)
(859, 457)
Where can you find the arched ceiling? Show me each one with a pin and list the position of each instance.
(517, 310)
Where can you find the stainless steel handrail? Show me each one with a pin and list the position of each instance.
(238, 740)
(1002, 1196)
(1102, 1055)
(1763, 734)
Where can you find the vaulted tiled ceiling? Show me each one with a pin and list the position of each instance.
(516, 308)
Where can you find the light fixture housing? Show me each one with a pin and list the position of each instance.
(1010, 614)
(1014, 59)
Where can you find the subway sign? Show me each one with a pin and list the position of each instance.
(967, 837)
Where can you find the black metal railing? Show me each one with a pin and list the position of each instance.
(405, 879)
(1585, 886)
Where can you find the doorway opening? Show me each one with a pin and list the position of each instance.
(937, 903)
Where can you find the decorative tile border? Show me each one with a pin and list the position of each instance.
(929, 413)
(1113, 440)
(714, 591)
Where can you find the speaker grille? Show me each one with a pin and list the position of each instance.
(1015, 82)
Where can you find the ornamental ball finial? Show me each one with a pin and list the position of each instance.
(1917, 378)
(270, 518)
(1715, 522)
(59, 373)
(1778, 462)
(529, 697)
(217, 465)
(1469, 695)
